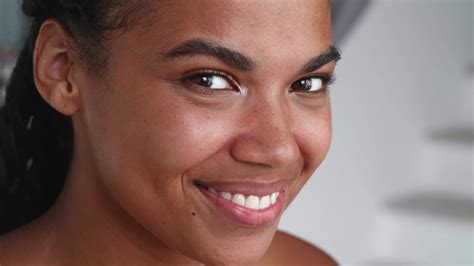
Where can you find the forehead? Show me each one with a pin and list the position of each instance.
(244, 13)
(259, 28)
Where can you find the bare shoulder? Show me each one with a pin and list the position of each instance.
(289, 250)
(24, 247)
(13, 250)
(9, 249)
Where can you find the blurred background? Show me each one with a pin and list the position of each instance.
(397, 185)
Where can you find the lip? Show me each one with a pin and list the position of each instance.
(241, 215)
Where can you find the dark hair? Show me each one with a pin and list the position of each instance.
(35, 140)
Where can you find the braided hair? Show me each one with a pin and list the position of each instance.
(35, 140)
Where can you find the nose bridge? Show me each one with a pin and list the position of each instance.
(268, 138)
(272, 122)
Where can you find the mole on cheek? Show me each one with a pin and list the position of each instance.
(193, 213)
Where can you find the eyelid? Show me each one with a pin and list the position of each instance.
(326, 78)
(232, 81)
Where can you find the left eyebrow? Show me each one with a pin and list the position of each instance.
(196, 47)
(331, 54)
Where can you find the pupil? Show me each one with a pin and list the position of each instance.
(207, 81)
(306, 84)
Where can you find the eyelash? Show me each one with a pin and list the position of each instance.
(326, 81)
(186, 79)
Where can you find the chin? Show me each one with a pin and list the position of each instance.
(235, 250)
(238, 256)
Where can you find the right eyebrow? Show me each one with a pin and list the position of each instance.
(331, 54)
(199, 47)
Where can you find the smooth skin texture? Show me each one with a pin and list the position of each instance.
(143, 133)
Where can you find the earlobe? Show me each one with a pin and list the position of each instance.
(53, 66)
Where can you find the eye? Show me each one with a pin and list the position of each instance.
(313, 84)
(210, 81)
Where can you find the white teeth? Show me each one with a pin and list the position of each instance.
(239, 199)
(252, 202)
(226, 195)
(212, 190)
(273, 197)
(264, 202)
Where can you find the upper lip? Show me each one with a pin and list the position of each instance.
(246, 187)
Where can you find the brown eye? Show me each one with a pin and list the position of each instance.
(307, 85)
(210, 81)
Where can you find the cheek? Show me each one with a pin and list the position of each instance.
(314, 138)
(142, 143)
(153, 136)
(184, 136)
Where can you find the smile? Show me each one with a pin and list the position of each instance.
(245, 204)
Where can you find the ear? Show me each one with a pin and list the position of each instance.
(53, 68)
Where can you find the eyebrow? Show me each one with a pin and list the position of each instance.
(313, 64)
(199, 47)
(196, 47)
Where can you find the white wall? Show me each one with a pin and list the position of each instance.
(403, 74)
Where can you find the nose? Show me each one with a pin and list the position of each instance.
(266, 136)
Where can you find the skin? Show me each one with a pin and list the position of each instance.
(141, 136)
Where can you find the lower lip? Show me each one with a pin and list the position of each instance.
(244, 216)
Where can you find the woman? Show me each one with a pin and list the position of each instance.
(184, 128)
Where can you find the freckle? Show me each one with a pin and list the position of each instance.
(193, 213)
(163, 222)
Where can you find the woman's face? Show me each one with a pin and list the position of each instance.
(212, 100)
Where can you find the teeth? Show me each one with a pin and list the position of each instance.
(212, 190)
(239, 199)
(264, 202)
(273, 197)
(226, 195)
(252, 202)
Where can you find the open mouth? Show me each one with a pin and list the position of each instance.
(252, 202)
(245, 205)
